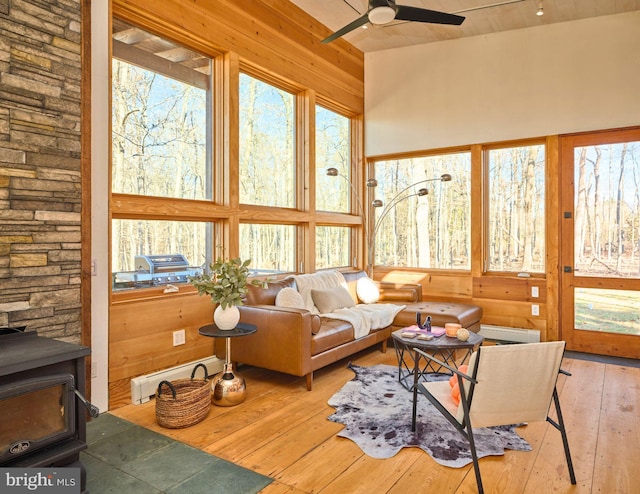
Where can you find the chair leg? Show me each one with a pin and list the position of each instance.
(474, 456)
(415, 408)
(563, 433)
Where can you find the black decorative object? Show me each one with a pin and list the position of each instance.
(427, 322)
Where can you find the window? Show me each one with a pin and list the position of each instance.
(270, 247)
(516, 212)
(148, 253)
(267, 144)
(415, 229)
(607, 211)
(161, 147)
(334, 192)
(167, 156)
(333, 151)
(159, 118)
(332, 246)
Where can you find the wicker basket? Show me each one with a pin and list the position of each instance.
(183, 402)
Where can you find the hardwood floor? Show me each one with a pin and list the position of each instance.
(282, 431)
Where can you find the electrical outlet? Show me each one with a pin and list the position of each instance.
(94, 369)
(535, 292)
(535, 310)
(178, 337)
(94, 267)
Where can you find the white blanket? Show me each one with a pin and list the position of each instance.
(319, 281)
(363, 317)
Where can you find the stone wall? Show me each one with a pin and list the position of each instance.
(40, 187)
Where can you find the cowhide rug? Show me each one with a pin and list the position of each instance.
(376, 411)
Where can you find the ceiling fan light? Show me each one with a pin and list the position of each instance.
(381, 15)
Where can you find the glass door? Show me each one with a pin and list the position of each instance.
(600, 242)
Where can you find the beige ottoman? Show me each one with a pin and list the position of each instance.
(467, 315)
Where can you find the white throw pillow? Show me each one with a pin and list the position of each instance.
(331, 299)
(289, 297)
(367, 290)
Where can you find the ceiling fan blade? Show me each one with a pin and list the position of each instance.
(416, 14)
(360, 21)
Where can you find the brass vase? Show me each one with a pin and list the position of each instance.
(229, 389)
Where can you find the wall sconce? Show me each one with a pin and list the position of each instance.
(397, 199)
(540, 11)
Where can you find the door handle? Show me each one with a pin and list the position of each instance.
(568, 269)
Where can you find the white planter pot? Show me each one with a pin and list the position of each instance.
(226, 318)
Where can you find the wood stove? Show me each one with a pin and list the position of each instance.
(42, 410)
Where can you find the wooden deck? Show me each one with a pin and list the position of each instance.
(282, 431)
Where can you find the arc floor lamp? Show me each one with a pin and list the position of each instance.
(370, 234)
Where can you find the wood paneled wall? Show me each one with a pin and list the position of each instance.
(505, 301)
(277, 41)
(141, 337)
(275, 36)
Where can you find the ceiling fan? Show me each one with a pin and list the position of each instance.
(382, 12)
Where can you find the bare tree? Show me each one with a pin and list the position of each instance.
(580, 224)
(619, 208)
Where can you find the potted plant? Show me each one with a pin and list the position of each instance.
(226, 283)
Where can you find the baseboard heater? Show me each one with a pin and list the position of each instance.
(501, 333)
(142, 387)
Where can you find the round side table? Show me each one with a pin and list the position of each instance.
(410, 370)
(228, 388)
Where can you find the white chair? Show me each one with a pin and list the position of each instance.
(505, 384)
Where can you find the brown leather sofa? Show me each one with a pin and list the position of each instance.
(297, 342)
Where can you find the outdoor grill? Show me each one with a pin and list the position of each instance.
(156, 270)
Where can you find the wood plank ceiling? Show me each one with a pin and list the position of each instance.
(481, 17)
